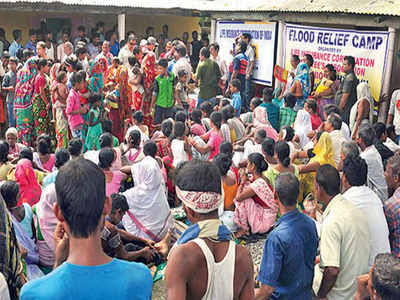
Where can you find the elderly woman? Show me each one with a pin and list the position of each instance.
(363, 109)
(11, 138)
(149, 215)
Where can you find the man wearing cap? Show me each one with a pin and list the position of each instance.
(205, 263)
(127, 50)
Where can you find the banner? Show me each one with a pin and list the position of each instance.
(330, 46)
(263, 41)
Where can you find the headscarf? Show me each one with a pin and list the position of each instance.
(46, 216)
(323, 151)
(303, 76)
(30, 190)
(25, 84)
(13, 131)
(260, 121)
(302, 126)
(10, 258)
(364, 92)
(200, 202)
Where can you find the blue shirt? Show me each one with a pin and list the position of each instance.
(289, 255)
(272, 113)
(114, 49)
(14, 47)
(115, 280)
(32, 46)
(237, 103)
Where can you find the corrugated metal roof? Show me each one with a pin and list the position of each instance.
(375, 7)
(163, 4)
(371, 7)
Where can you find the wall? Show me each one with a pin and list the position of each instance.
(138, 23)
(176, 24)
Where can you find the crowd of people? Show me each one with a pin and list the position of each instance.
(119, 157)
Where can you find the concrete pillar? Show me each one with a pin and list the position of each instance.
(121, 26)
(280, 52)
(213, 30)
(384, 106)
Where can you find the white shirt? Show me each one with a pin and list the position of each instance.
(251, 55)
(182, 64)
(391, 145)
(85, 64)
(345, 131)
(124, 54)
(368, 202)
(376, 177)
(178, 151)
(393, 110)
(337, 141)
(50, 52)
(223, 67)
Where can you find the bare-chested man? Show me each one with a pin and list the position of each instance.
(206, 263)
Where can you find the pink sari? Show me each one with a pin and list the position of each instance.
(251, 215)
(29, 187)
(260, 121)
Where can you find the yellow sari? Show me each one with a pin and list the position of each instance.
(323, 151)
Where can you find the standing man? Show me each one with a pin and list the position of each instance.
(251, 56)
(394, 113)
(31, 45)
(332, 125)
(105, 52)
(114, 45)
(93, 47)
(81, 36)
(287, 267)
(208, 75)
(376, 177)
(16, 44)
(127, 50)
(354, 189)
(181, 62)
(206, 263)
(240, 62)
(60, 48)
(214, 50)
(195, 47)
(346, 95)
(344, 243)
(392, 205)
(82, 209)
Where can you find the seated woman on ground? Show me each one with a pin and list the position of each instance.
(247, 118)
(133, 151)
(44, 158)
(230, 186)
(181, 150)
(282, 156)
(256, 207)
(22, 218)
(5, 166)
(268, 150)
(113, 178)
(213, 137)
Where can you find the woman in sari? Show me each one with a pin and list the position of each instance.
(23, 101)
(301, 87)
(46, 223)
(321, 154)
(256, 207)
(98, 67)
(326, 89)
(149, 215)
(282, 155)
(149, 75)
(29, 187)
(10, 259)
(59, 96)
(302, 127)
(42, 100)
